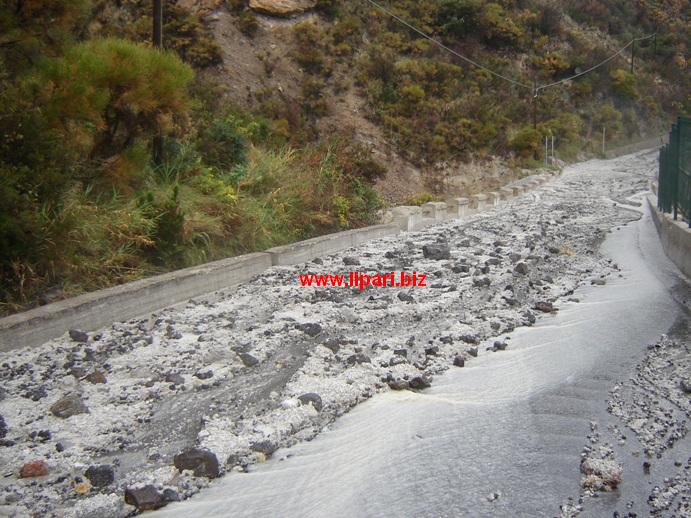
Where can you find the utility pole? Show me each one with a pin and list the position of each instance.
(552, 149)
(604, 136)
(534, 104)
(158, 43)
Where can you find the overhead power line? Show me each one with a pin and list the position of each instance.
(535, 88)
(447, 49)
(575, 76)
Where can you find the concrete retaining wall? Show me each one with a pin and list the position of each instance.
(98, 309)
(675, 237)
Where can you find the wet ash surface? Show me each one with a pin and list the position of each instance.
(246, 371)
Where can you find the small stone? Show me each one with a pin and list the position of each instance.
(248, 360)
(481, 282)
(351, 261)
(545, 307)
(459, 361)
(204, 375)
(265, 447)
(399, 385)
(432, 351)
(460, 268)
(499, 346)
(68, 406)
(314, 398)
(405, 297)
(96, 377)
(78, 336)
(420, 382)
(472, 352)
(358, 358)
(146, 498)
(35, 468)
(333, 344)
(202, 462)
(436, 252)
(685, 385)
(100, 475)
(3, 427)
(598, 282)
(521, 268)
(310, 329)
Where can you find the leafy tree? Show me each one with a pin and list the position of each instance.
(103, 95)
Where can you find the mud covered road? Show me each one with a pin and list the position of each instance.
(453, 372)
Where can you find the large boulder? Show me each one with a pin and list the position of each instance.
(202, 462)
(282, 7)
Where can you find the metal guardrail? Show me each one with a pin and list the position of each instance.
(674, 180)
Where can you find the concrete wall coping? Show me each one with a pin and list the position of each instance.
(675, 237)
(98, 309)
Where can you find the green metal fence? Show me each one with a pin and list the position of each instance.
(674, 181)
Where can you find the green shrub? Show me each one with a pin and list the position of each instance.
(247, 23)
(526, 142)
(108, 93)
(222, 145)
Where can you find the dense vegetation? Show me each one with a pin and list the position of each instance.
(436, 107)
(82, 95)
(82, 206)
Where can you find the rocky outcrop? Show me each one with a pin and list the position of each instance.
(282, 7)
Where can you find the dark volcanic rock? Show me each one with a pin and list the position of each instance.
(436, 252)
(545, 307)
(146, 498)
(68, 406)
(100, 475)
(521, 268)
(78, 336)
(459, 361)
(358, 358)
(472, 352)
(310, 329)
(405, 297)
(248, 359)
(266, 447)
(202, 462)
(351, 261)
(314, 398)
(399, 385)
(204, 375)
(3, 427)
(397, 360)
(334, 344)
(420, 382)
